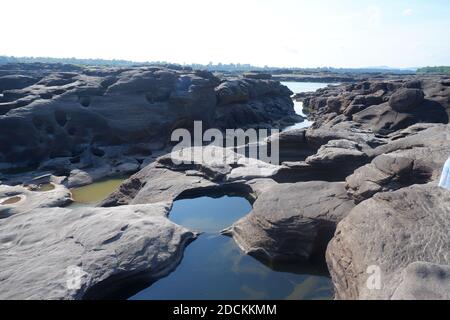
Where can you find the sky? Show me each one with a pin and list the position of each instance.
(281, 33)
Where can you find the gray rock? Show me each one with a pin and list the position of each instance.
(257, 75)
(344, 155)
(292, 145)
(87, 253)
(23, 199)
(391, 231)
(404, 100)
(424, 281)
(10, 82)
(69, 114)
(292, 221)
(403, 162)
(173, 175)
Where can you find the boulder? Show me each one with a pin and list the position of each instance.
(383, 236)
(404, 100)
(88, 253)
(292, 221)
(402, 162)
(342, 154)
(232, 92)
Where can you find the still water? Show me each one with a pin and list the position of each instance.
(214, 267)
(300, 87)
(96, 192)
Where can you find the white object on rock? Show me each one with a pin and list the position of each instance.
(445, 178)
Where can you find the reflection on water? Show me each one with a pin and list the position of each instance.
(214, 267)
(209, 215)
(95, 193)
(298, 107)
(300, 87)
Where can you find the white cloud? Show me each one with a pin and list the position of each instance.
(407, 12)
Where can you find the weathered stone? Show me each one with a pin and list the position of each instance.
(25, 200)
(404, 100)
(391, 231)
(292, 221)
(87, 253)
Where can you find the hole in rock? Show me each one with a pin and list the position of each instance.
(61, 117)
(213, 266)
(97, 152)
(85, 101)
(11, 200)
(44, 187)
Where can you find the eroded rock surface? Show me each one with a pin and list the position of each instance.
(80, 118)
(18, 199)
(292, 221)
(417, 158)
(172, 175)
(379, 143)
(392, 231)
(87, 253)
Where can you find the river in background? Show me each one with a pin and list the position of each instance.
(94, 193)
(299, 87)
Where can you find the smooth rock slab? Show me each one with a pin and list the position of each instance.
(46, 253)
(424, 281)
(30, 200)
(197, 168)
(391, 231)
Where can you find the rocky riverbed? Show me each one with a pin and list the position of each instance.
(359, 188)
(88, 123)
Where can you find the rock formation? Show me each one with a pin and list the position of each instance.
(359, 186)
(77, 118)
(290, 222)
(394, 231)
(88, 253)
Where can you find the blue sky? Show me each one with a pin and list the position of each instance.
(340, 33)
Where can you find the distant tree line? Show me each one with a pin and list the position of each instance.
(441, 70)
(74, 61)
(219, 67)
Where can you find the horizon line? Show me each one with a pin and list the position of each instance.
(211, 63)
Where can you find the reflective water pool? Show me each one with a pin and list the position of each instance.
(11, 200)
(300, 87)
(213, 266)
(96, 192)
